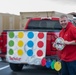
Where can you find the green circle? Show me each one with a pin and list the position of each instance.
(11, 34)
(52, 64)
(11, 43)
(11, 52)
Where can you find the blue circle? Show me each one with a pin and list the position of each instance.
(30, 43)
(48, 63)
(30, 35)
(30, 52)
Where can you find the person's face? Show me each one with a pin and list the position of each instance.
(64, 22)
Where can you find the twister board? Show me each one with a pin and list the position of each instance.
(26, 47)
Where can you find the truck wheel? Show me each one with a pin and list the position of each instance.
(16, 67)
(3, 58)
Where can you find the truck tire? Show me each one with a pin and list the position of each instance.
(3, 58)
(16, 67)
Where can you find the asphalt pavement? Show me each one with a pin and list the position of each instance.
(27, 70)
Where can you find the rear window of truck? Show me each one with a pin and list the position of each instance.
(44, 24)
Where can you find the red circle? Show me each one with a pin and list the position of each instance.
(40, 44)
(43, 62)
(39, 53)
(40, 35)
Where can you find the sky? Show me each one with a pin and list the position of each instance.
(17, 6)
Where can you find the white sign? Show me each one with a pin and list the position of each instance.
(26, 47)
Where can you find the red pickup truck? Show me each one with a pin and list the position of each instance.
(49, 25)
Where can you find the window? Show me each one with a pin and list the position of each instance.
(44, 24)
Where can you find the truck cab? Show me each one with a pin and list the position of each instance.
(51, 26)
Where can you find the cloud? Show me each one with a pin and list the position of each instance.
(68, 2)
(17, 6)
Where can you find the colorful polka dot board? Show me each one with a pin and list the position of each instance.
(26, 46)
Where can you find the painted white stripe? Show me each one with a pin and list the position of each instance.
(4, 67)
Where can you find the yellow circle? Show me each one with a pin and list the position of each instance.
(20, 35)
(57, 66)
(20, 52)
(20, 43)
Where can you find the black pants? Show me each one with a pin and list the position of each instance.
(68, 68)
